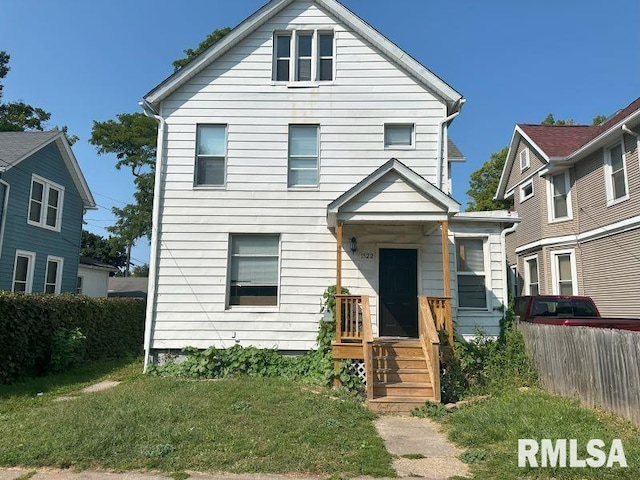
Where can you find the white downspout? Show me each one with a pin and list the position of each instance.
(441, 145)
(155, 236)
(505, 270)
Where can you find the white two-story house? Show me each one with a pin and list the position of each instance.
(304, 150)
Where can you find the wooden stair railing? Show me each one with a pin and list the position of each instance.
(349, 317)
(441, 313)
(430, 343)
(367, 345)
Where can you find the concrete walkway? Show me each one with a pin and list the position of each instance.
(431, 455)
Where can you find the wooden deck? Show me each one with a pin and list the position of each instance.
(401, 373)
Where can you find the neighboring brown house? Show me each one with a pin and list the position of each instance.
(577, 190)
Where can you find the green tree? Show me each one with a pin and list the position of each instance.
(549, 120)
(484, 184)
(18, 116)
(140, 271)
(190, 53)
(109, 250)
(132, 138)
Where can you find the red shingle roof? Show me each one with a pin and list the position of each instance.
(563, 140)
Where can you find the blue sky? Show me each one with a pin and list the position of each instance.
(514, 61)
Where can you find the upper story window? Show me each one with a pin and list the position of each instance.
(526, 191)
(472, 290)
(23, 271)
(615, 170)
(398, 135)
(303, 155)
(254, 270)
(303, 56)
(524, 159)
(45, 204)
(560, 197)
(211, 155)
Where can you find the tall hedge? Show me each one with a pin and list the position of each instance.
(29, 323)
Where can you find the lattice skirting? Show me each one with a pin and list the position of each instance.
(357, 367)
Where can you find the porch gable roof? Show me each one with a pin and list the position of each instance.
(392, 193)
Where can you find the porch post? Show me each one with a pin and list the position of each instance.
(446, 268)
(446, 274)
(338, 281)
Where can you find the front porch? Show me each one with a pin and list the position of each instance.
(401, 372)
(403, 222)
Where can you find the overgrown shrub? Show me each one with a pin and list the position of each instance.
(38, 331)
(68, 349)
(314, 366)
(484, 364)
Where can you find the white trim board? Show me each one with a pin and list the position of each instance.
(601, 232)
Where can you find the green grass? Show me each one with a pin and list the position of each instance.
(494, 427)
(240, 425)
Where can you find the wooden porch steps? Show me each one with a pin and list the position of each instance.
(401, 379)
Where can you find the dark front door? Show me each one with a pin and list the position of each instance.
(398, 292)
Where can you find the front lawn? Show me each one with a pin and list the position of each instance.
(240, 425)
(491, 429)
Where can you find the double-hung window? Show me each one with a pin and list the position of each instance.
(23, 271)
(531, 277)
(303, 155)
(254, 261)
(45, 204)
(616, 174)
(472, 291)
(560, 197)
(564, 272)
(53, 275)
(303, 56)
(211, 155)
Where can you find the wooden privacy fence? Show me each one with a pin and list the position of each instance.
(600, 366)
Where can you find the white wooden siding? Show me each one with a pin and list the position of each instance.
(368, 91)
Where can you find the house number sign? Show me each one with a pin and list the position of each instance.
(367, 255)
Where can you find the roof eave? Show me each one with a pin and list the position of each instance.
(508, 164)
(412, 67)
(179, 77)
(597, 141)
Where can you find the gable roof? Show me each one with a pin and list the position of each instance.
(565, 144)
(387, 48)
(422, 186)
(18, 146)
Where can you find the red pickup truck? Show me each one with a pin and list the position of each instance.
(570, 311)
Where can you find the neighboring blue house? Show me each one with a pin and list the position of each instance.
(43, 195)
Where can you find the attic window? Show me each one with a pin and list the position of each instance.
(303, 56)
(524, 159)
